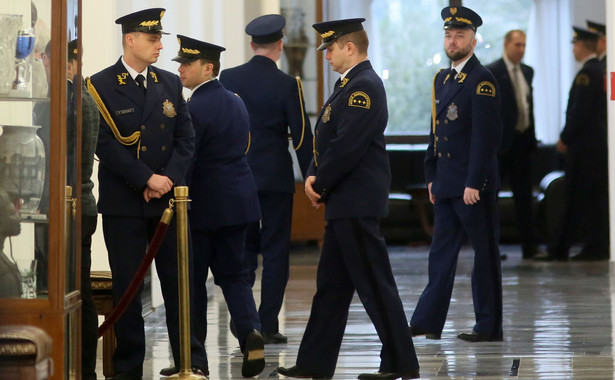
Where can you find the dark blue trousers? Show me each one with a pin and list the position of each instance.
(453, 222)
(222, 251)
(127, 239)
(270, 238)
(354, 257)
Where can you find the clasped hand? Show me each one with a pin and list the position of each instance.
(157, 186)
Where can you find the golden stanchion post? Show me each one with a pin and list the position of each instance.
(183, 278)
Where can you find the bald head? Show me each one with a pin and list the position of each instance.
(514, 45)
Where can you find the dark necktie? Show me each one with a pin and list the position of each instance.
(453, 74)
(140, 82)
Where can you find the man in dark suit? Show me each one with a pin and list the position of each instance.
(275, 103)
(145, 146)
(584, 141)
(350, 175)
(519, 138)
(224, 197)
(461, 170)
(600, 29)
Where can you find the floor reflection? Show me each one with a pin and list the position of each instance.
(557, 323)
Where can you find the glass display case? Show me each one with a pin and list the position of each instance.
(40, 116)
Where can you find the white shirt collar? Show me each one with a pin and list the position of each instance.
(133, 73)
(347, 71)
(460, 66)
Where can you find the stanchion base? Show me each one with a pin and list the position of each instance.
(186, 374)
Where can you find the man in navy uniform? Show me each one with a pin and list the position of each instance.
(350, 175)
(519, 136)
(599, 29)
(275, 103)
(145, 146)
(461, 171)
(224, 196)
(584, 140)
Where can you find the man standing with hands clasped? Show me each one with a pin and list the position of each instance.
(350, 174)
(145, 146)
(461, 171)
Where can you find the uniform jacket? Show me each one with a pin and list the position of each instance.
(350, 161)
(585, 129)
(466, 137)
(222, 188)
(166, 145)
(509, 110)
(275, 103)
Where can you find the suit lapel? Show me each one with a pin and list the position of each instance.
(152, 94)
(125, 85)
(339, 84)
(449, 89)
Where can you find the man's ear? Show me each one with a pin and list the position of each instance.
(350, 47)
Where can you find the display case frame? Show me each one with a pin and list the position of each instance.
(58, 314)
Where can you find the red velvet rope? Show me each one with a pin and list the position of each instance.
(136, 282)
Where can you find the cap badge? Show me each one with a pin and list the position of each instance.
(328, 34)
(464, 20)
(453, 11)
(168, 109)
(121, 77)
(150, 23)
(191, 51)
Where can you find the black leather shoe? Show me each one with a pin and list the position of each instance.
(170, 371)
(389, 375)
(253, 355)
(415, 331)
(297, 372)
(478, 337)
(274, 338)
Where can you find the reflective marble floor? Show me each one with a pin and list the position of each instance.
(558, 320)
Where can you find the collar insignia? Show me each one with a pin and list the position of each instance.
(121, 78)
(344, 82)
(153, 75)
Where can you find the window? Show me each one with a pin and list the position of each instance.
(406, 49)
